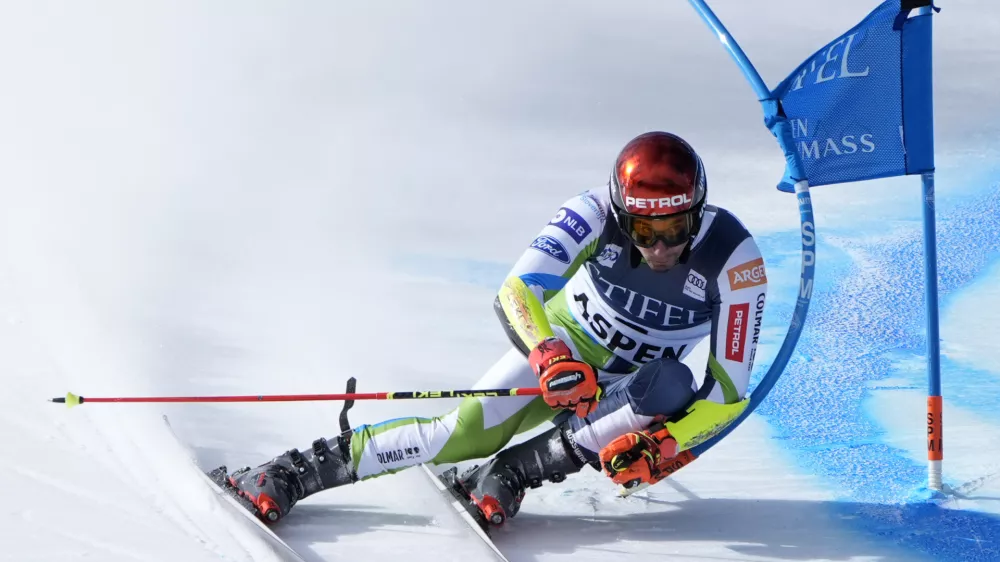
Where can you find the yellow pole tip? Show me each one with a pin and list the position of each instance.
(72, 400)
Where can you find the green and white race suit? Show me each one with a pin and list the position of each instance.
(581, 280)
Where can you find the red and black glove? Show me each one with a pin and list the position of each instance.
(566, 383)
(639, 456)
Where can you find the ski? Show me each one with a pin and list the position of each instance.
(217, 481)
(464, 507)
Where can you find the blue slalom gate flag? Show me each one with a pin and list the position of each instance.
(861, 107)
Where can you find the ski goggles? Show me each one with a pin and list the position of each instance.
(673, 230)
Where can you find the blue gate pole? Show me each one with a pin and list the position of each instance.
(709, 17)
(808, 231)
(935, 428)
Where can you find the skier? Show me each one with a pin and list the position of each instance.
(601, 308)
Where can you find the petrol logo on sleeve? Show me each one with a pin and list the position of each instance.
(749, 274)
(736, 331)
(551, 246)
(572, 223)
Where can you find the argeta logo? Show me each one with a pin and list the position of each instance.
(736, 331)
(749, 274)
(571, 223)
(551, 246)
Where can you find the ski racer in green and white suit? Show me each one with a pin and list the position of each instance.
(602, 308)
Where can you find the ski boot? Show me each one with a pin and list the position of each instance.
(494, 491)
(273, 488)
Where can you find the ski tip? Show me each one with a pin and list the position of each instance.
(70, 400)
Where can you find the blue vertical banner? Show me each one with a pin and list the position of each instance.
(861, 107)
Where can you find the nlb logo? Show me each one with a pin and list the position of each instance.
(571, 223)
(749, 274)
(658, 203)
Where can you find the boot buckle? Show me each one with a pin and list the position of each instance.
(320, 450)
(297, 461)
(491, 509)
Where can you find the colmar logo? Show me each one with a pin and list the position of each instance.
(749, 274)
(758, 317)
(736, 331)
(397, 455)
(658, 203)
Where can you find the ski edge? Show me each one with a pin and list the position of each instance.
(448, 496)
(281, 548)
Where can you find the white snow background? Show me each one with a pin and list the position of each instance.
(270, 197)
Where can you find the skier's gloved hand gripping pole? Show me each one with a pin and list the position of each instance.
(566, 383)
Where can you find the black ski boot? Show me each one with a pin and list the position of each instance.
(497, 488)
(273, 488)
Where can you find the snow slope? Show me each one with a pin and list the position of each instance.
(259, 198)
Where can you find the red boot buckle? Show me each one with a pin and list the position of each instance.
(491, 509)
(268, 508)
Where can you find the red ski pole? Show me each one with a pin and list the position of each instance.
(73, 400)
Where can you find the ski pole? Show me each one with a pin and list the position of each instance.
(73, 400)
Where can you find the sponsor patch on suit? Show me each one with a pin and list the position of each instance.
(571, 223)
(550, 246)
(749, 274)
(695, 285)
